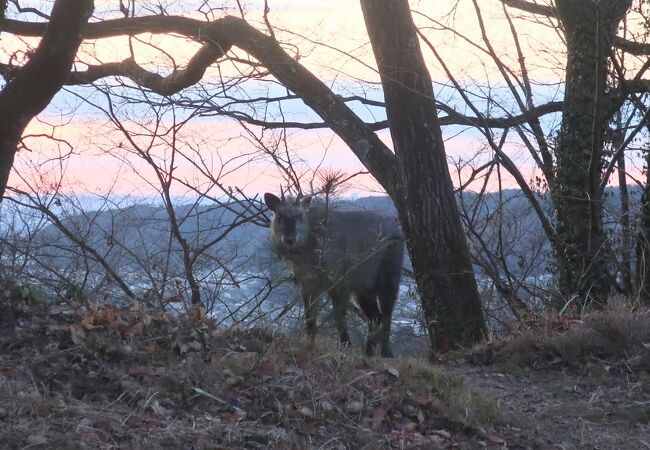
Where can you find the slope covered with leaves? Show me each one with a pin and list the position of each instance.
(134, 378)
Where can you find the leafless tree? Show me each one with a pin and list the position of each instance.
(427, 208)
(603, 63)
(577, 136)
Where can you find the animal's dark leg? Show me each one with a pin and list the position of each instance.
(368, 304)
(387, 302)
(387, 291)
(340, 308)
(311, 313)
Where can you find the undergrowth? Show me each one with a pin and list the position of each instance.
(618, 335)
(133, 378)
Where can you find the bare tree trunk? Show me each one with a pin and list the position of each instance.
(642, 273)
(626, 227)
(584, 255)
(423, 192)
(32, 88)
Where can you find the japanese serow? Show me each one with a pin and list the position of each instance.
(341, 253)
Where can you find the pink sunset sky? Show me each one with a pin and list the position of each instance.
(100, 159)
(97, 164)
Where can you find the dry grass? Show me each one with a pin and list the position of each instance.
(617, 334)
(134, 379)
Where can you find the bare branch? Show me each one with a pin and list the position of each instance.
(635, 48)
(228, 31)
(21, 9)
(178, 80)
(531, 7)
(33, 87)
(128, 26)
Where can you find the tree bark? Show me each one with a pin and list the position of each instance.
(32, 88)
(583, 254)
(423, 191)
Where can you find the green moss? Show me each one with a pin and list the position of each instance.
(471, 408)
(638, 415)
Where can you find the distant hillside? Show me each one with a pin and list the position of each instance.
(142, 231)
(137, 240)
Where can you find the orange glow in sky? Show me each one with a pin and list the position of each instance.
(331, 40)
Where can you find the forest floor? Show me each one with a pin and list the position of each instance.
(565, 408)
(133, 378)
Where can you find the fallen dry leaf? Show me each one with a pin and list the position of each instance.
(492, 439)
(77, 334)
(108, 314)
(85, 423)
(88, 320)
(235, 416)
(159, 410)
(136, 369)
(326, 406)
(353, 406)
(444, 433)
(378, 418)
(392, 371)
(138, 328)
(411, 411)
(410, 427)
(37, 439)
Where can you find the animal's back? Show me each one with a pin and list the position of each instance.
(357, 246)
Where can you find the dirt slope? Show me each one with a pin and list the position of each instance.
(103, 378)
(561, 408)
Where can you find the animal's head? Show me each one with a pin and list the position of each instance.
(289, 226)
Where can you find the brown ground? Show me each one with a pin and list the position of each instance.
(565, 408)
(570, 383)
(135, 379)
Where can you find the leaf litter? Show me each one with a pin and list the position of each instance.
(137, 378)
(103, 377)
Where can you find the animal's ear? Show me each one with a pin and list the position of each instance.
(272, 201)
(305, 201)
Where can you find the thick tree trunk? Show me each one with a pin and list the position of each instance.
(32, 88)
(583, 254)
(422, 191)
